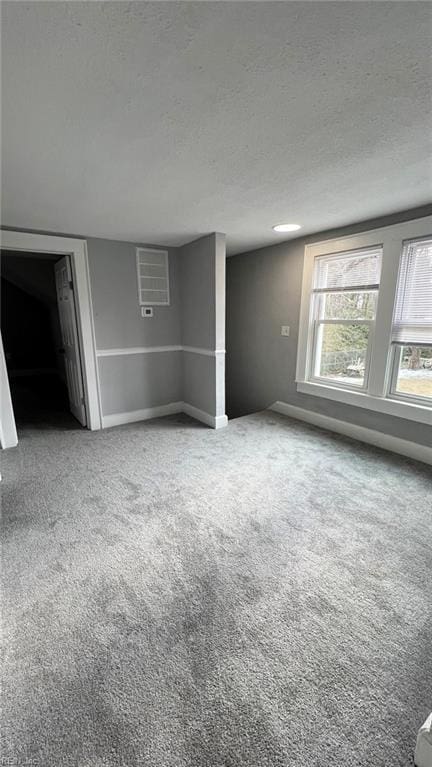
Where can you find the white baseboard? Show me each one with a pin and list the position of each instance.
(361, 433)
(216, 422)
(131, 416)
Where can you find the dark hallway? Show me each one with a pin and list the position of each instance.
(32, 342)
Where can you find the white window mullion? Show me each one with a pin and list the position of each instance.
(379, 363)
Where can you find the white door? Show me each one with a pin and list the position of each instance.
(66, 307)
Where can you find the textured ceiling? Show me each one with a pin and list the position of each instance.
(164, 121)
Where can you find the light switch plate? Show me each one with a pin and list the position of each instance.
(285, 331)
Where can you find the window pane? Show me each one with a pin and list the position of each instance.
(346, 270)
(341, 353)
(415, 371)
(348, 306)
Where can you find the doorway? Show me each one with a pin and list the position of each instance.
(40, 338)
(76, 249)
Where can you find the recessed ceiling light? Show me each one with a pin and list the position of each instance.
(286, 227)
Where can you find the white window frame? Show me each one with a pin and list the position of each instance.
(394, 368)
(379, 395)
(317, 322)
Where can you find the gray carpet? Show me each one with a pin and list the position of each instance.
(178, 597)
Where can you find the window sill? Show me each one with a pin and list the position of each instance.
(394, 407)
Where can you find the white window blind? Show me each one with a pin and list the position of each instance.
(412, 319)
(353, 270)
(153, 276)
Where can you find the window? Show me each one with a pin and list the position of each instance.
(412, 323)
(366, 320)
(153, 276)
(344, 303)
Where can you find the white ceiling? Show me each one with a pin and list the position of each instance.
(163, 121)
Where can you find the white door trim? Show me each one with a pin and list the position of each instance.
(77, 250)
(8, 433)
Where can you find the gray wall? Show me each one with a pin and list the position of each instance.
(197, 283)
(139, 381)
(202, 288)
(195, 317)
(199, 381)
(263, 293)
(136, 381)
(117, 314)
